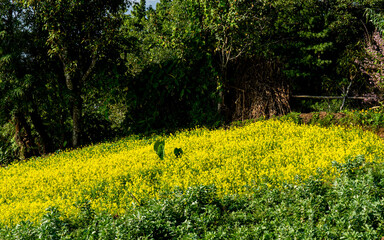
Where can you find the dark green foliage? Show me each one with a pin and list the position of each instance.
(24, 230)
(349, 207)
(375, 15)
(173, 67)
(159, 148)
(318, 41)
(52, 227)
(92, 69)
(7, 155)
(178, 152)
(350, 165)
(35, 101)
(87, 214)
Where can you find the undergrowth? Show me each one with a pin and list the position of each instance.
(349, 207)
(369, 119)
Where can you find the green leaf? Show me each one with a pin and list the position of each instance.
(159, 148)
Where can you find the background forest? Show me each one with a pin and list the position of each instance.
(79, 72)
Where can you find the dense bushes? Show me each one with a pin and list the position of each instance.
(183, 64)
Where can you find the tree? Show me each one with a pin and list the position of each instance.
(170, 67)
(27, 78)
(375, 14)
(373, 66)
(15, 80)
(313, 39)
(78, 35)
(236, 26)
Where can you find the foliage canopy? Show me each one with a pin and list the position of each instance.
(75, 72)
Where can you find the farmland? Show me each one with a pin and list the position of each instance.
(113, 177)
(227, 119)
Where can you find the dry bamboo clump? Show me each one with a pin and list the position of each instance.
(259, 90)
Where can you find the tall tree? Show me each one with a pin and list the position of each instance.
(236, 26)
(79, 33)
(312, 37)
(27, 78)
(15, 81)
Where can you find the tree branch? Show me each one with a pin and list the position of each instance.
(90, 69)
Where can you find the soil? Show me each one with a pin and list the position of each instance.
(306, 117)
(380, 132)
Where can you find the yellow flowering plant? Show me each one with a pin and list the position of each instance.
(113, 176)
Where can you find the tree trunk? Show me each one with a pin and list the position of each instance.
(19, 138)
(25, 140)
(75, 80)
(221, 82)
(77, 107)
(46, 141)
(220, 104)
(77, 110)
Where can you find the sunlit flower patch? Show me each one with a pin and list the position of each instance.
(112, 176)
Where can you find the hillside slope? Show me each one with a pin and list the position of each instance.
(113, 176)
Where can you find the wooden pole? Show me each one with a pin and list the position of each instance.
(326, 97)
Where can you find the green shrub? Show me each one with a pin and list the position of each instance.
(294, 116)
(350, 207)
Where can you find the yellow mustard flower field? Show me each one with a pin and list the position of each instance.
(113, 176)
